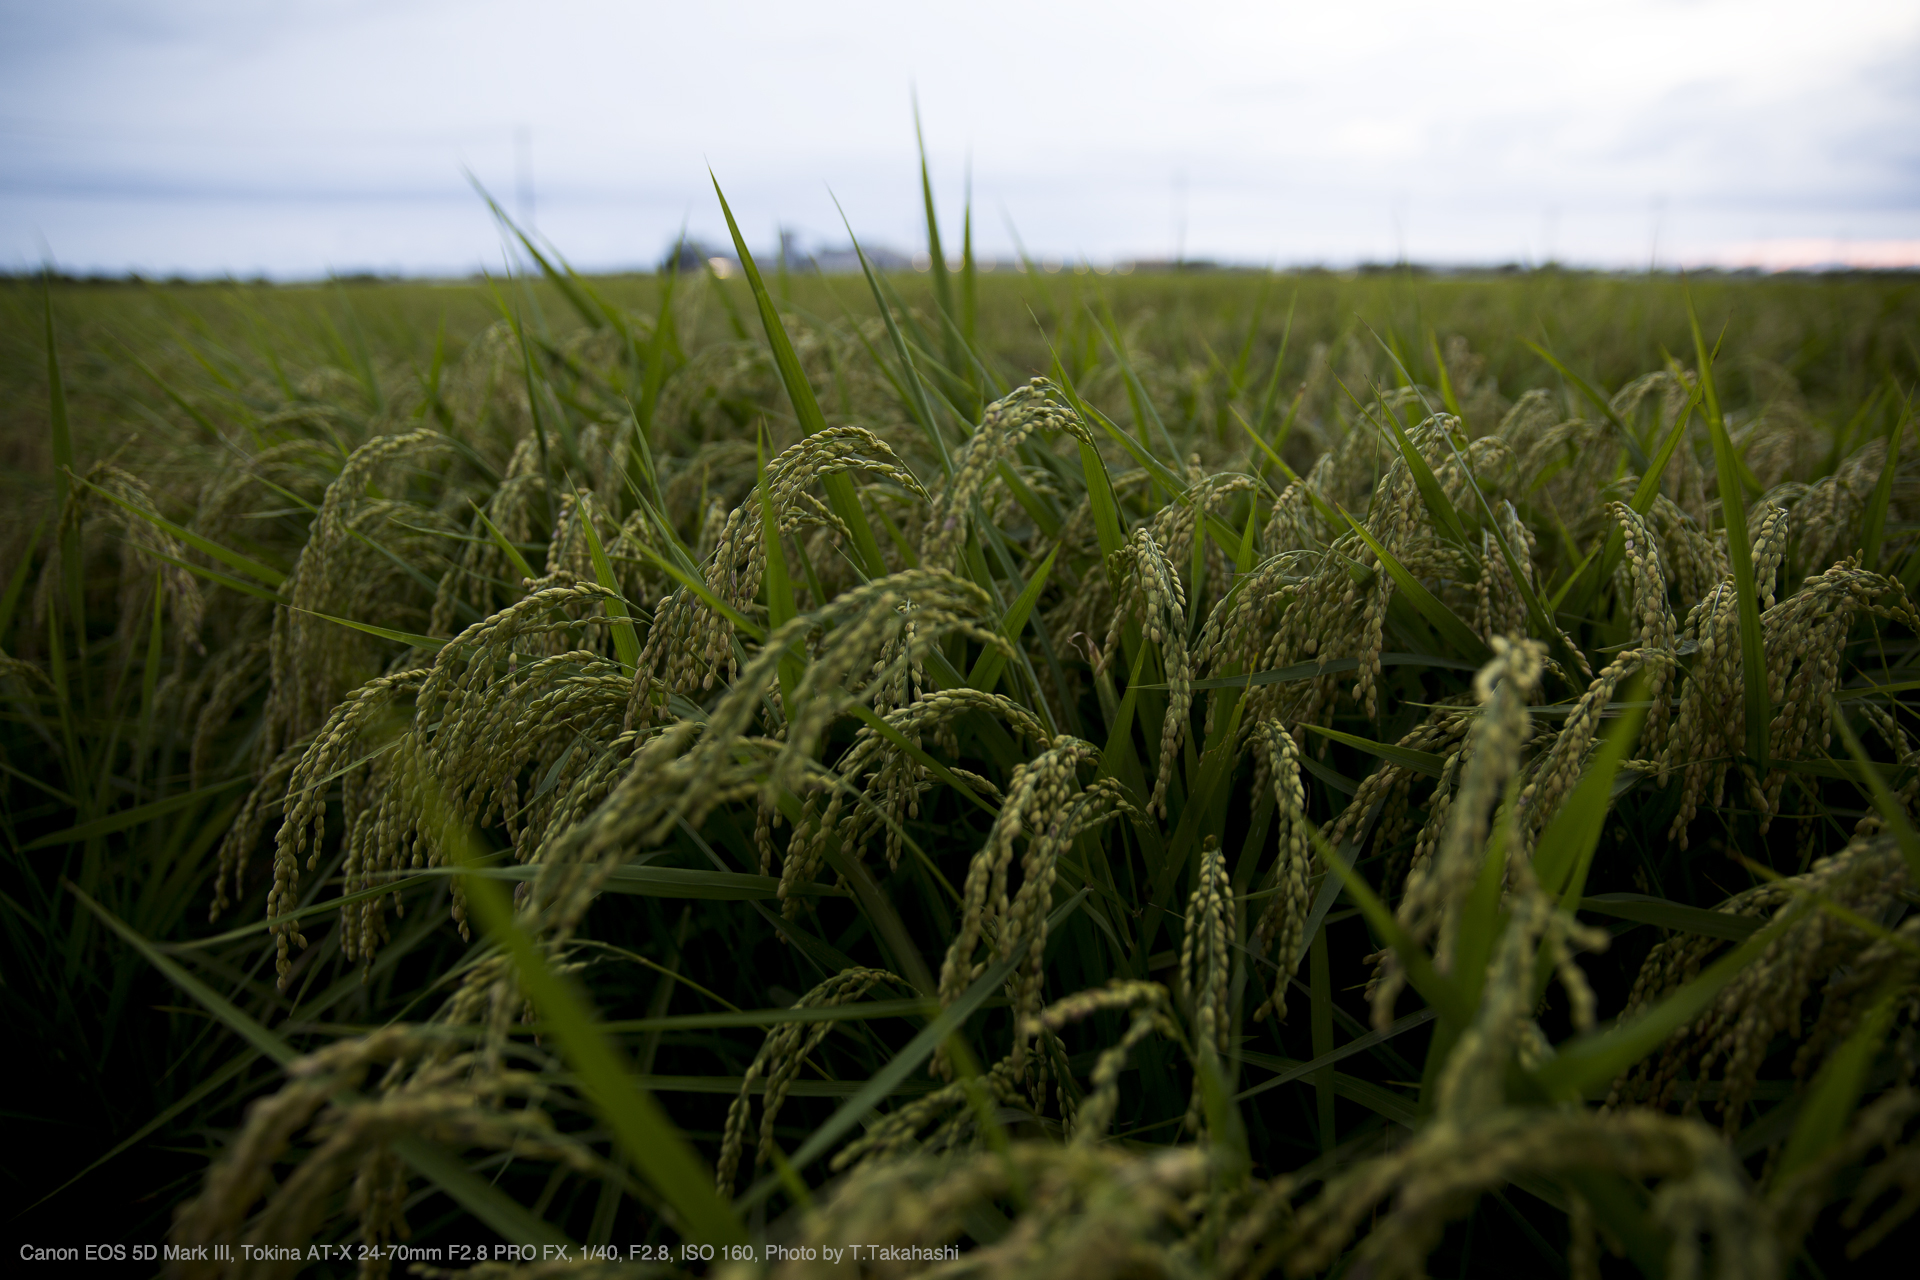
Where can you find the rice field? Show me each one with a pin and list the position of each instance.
(1215, 773)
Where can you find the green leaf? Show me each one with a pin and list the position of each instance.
(17, 582)
(253, 589)
(642, 1129)
(860, 1011)
(1431, 493)
(511, 552)
(1892, 812)
(232, 559)
(1144, 412)
(986, 670)
(704, 593)
(917, 1051)
(625, 642)
(1593, 397)
(1437, 988)
(481, 1198)
(1673, 915)
(1835, 1091)
(1291, 1071)
(879, 725)
(1876, 521)
(1406, 757)
(1447, 397)
(1442, 619)
(1591, 1060)
(1327, 513)
(1733, 512)
(1649, 487)
(1565, 849)
(916, 390)
(411, 638)
(1320, 980)
(678, 882)
(125, 818)
(806, 407)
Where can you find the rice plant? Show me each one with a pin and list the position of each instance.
(1219, 775)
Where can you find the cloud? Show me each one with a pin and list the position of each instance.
(1289, 132)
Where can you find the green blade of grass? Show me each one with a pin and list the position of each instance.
(1436, 988)
(1359, 1044)
(1753, 655)
(1835, 1092)
(986, 670)
(1892, 812)
(255, 590)
(1144, 412)
(1438, 506)
(125, 818)
(410, 638)
(1647, 909)
(1592, 1060)
(648, 1138)
(1442, 619)
(17, 582)
(859, 1011)
(879, 725)
(1734, 481)
(625, 642)
(806, 407)
(1419, 761)
(1320, 979)
(910, 376)
(969, 276)
(1565, 848)
(570, 286)
(1876, 521)
(232, 559)
(917, 1051)
(937, 257)
(1649, 487)
(1598, 401)
(1447, 396)
(679, 882)
(1272, 391)
(704, 594)
(511, 552)
(481, 1198)
(1611, 547)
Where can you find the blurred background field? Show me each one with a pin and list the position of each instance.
(1821, 342)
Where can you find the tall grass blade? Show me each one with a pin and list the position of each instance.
(1591, 1061)
(1565, 849)
(1835, 1092)
(1891, 811)
(1874, 529)
(431, 1160)
(1664, 914)
(1733, 514)
(647, 1136)
(1442, 619)
(917, 1051)
(806, 406)
(625, 642)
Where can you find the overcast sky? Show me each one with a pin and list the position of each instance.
(295, 138)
